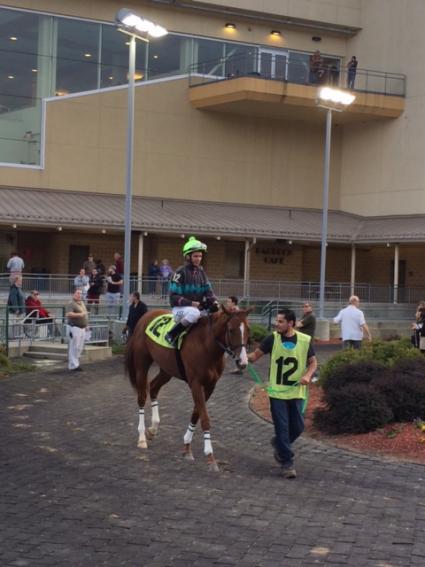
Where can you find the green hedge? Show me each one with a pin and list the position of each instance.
(258, 332)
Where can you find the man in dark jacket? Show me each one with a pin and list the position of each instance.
(16, 297)
(136, 311)
(190, 289)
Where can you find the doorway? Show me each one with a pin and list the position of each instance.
(77, 257)
(273, 64)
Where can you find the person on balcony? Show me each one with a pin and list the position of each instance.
(82, 282)
(34, 309)
(351, 72)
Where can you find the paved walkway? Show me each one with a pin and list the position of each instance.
(76, 491)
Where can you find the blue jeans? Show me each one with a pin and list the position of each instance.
(288, 423)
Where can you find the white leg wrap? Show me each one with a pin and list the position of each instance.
(207, 443)
(155, 414)
(141, 427)
(188, 436)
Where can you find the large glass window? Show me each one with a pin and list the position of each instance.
(77, 56)
(114, 58)
(170, 55)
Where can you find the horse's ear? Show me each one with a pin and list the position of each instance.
(248, 310)
(226, 310)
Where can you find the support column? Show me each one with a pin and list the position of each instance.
(353, 269)
(396, 263)
(140, 263)
(247, 267)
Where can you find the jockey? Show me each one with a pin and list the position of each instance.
(190, 290)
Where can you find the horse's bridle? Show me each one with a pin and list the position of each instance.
(225, 347)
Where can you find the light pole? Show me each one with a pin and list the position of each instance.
(330, 99)
(137, 28)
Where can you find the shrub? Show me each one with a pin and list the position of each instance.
(359, 372)
(258, 332)
(385, 352)
(5, 363)
(357, 408)
(410, 367)
(404, 391)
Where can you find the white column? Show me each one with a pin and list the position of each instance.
(140, 263)
(247, 266)
(396, 262)
(46, 56)
(353, 269)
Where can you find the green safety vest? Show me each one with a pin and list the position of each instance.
(287, 365)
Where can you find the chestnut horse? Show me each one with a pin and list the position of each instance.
(201, 365)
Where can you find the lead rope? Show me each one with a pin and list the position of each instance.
(263, 386)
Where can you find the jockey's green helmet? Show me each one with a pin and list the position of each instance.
(193, 245)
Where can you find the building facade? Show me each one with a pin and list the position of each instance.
(229, 140)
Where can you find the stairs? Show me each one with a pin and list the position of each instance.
(59, 352)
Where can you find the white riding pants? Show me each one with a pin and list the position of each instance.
(187, 314)
(75, 346)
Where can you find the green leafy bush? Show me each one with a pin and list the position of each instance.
(5, 363)
(359, 372)
(385, 352)
(358, 408)
(258, 332)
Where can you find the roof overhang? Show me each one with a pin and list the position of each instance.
(88, 212)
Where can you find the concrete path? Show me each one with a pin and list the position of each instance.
(76, 491)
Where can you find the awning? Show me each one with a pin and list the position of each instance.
(79, 210)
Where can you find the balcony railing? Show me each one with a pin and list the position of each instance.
(278, 67)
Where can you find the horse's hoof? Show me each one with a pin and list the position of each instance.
(142, 444)
(213, 467)
(188, 456)
(151, 432)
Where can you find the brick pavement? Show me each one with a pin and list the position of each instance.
(76, 491)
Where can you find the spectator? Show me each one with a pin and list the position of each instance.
(166, 272)
(95, 287)
(34, 309)
(14, 266)
(82, 282)
(118, 263)
(307, 324)
(77, 319)
(113, 288)
(317, 70)
(136, 312)
(100, 267)
(418, 338)
(89, 264)
(153, 275)
(353, 324)
(15, 300)
(351, 72)
(293, 363)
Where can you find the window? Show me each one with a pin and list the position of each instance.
(114, 58)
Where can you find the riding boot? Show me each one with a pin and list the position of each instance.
(173, 335)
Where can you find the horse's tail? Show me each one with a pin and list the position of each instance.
(129, 362)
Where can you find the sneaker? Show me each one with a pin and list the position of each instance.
(236, 371)
(289, 472)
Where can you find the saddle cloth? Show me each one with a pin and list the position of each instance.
(159, 327)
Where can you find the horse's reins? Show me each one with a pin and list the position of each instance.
(226, 348)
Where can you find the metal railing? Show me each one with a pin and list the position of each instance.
(59, 287)
(279, 68)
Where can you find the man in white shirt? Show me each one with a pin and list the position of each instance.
(15, 266)
(353, 324)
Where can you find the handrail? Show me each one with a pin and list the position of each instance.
(280, 68)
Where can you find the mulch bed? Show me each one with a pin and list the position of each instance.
(400, 441)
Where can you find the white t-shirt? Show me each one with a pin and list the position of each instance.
(15, 264)
(351, 319)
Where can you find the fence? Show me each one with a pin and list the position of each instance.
(279, 67)
(29, 329)
(60, 287)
